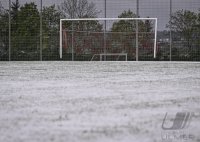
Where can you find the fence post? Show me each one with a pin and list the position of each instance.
(137, 38)
(40, 30)
(73, 16)
(170, 30)
(9, 40)
(104, 40)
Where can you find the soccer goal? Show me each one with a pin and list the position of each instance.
(110, 57)
(104, 39)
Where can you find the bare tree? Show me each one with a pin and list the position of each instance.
(183, 23)
(1, 8)
(78, 9)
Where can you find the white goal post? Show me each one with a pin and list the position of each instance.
(110, 19)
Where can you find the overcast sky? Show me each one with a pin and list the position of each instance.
(152, 8)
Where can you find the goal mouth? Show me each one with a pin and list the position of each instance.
(103, 37)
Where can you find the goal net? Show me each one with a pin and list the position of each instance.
(108, 39)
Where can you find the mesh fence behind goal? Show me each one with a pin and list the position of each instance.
(107, 39)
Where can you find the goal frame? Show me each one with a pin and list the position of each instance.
(110, 54)
(110, 19)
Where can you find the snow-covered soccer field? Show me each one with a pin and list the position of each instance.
(97, 101)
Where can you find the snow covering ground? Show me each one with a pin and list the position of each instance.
(97, 101)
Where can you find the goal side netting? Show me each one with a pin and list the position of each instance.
(108, 39)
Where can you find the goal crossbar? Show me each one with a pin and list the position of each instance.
(111, 19)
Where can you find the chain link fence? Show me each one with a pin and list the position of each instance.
(29, 29)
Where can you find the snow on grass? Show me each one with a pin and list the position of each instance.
(95, 101)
